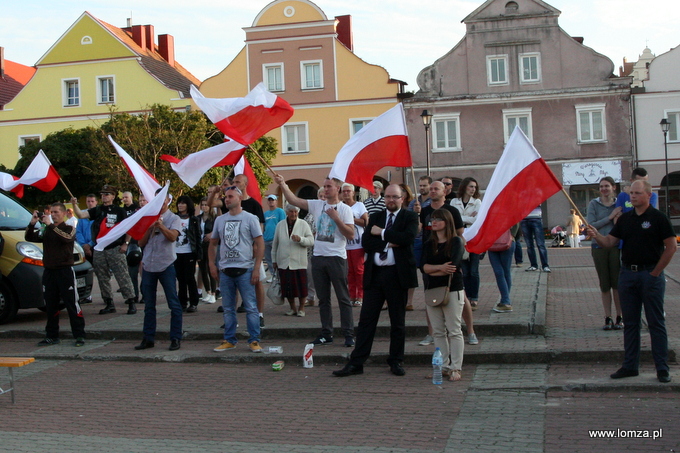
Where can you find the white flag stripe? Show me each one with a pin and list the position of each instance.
(518, 154)
(152, 208)
(146, 183)
(390, 123)
(193, 167)
(219, 109)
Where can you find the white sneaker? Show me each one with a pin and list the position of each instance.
(428, 340)
(211, 299)
(472, 339)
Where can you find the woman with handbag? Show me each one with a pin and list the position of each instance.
(444, 294)
(289, 255)
(500, 256)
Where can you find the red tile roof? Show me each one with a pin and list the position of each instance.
(16, 76)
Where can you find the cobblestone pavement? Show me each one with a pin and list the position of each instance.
(110, 398)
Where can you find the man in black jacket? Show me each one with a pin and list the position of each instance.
(389, 272)
(59, 279)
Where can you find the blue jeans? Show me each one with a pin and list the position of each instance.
(532, 229)
(500, 263)
(149, 284)
(418, 250)
(228, 287)
(470, 269)
(638, 289)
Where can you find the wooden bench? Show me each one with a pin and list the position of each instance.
(11, 363)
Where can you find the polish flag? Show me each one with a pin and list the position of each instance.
(193, 167)
(521, 181)
(245, 119)
(138, 223)
(40, 174)
(382, 142)
(243, 167)
(146, 182)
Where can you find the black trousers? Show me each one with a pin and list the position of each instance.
(58, 285)
(185, 268)
(383, 287)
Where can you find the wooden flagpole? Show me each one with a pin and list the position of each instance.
(263, 161)
(69, 192)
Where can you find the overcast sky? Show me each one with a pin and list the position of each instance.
(404, 37)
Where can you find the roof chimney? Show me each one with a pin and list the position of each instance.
(150, 37)
(166, 47)
(139, 35)
(344, 31)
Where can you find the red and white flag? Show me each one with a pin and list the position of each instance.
(40, 174)
(138, 223)
(193, 167)
(382, 142)
(243, 168)
(245, 119)
(7, 183)
(521, 181)
(146, 182)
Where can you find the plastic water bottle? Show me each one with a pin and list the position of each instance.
(437, 363)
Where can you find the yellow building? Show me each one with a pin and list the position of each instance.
(308, 60)
(92, 68)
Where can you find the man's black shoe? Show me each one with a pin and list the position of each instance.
(624, 373)
(174, 344)
(241, 309)
(107, 310)
(191, 309)
(349, 341)
(322, 340)
(397, 369)
(349, 370)
(663, 376)
(145, 344)
(220, 309)
(261, 322)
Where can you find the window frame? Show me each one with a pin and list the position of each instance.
(590, 109)
(433, 131)
(303, 75)
(675, 122)
(29, 137)
(65, 92)
(284, 137)
(521, 57)
(489, 72)
(518, 113)
(100, 79)
(352, 121)
(265, 77)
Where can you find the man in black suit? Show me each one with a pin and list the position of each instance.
(389, 272)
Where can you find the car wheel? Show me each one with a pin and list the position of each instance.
(8, 304)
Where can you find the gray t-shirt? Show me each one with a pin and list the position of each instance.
(159, 253)
(236, 234)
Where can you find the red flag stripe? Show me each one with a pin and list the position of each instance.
(252, 122)
(373, 157)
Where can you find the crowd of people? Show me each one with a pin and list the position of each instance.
(368, 252)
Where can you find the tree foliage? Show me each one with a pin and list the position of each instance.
(85, 159)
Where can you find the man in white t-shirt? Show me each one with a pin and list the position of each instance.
(334, 226)
(355, 251)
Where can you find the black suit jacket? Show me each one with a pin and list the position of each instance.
(402, 233)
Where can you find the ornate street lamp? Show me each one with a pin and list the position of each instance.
(665, 126)
(427, 120)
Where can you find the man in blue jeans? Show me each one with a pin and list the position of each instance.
(532, 230)
(648, 246)
(239, 236)
(158, 266)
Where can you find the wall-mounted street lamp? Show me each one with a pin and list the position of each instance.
(427, 120)
(665, 126)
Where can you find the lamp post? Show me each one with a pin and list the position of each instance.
(427, 120)
(665, 126)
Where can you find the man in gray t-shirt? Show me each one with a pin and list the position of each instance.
(239, 235)
(159, 255)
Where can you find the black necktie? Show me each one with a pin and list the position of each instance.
(383, 254)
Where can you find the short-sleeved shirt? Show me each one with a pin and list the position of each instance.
(372, 205)
(159, 252)
(623, 202)
(250, 205)
(104, 218)
(358, 209)
(182, 245)
(427, 211)
(236, 234)
(271, 218)
(329, 241)
(642, 236)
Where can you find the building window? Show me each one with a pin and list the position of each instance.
(517, 117)
(106, 91)
(497, 69)
(674, 119)
(312, 75)
(26, 139)
(590, 123)
(71, 93)
(357, 124)
(530, 67)
(295, 138)
(273, 76)
(446, 133)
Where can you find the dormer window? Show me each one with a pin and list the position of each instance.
(511, 8)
